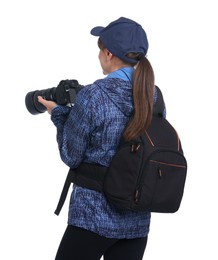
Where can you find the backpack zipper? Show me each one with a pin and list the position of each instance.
(139, 182)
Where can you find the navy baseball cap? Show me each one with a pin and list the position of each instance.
(123, 36)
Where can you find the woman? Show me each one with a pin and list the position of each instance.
(90, 132)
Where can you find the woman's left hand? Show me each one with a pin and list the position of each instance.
(48, 104)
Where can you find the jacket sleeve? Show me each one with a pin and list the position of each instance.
(73, 128)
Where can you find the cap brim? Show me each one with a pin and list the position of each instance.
(96, 31)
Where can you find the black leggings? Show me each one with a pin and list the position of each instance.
(81, 244)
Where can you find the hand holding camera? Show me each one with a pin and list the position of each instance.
(46, 103)
(63, 94)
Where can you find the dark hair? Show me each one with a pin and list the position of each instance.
(143, 98)
(143, 95)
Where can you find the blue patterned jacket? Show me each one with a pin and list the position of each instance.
(90, 132)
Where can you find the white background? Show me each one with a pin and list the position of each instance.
(45, 41)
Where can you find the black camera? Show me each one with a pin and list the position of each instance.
(63, 94)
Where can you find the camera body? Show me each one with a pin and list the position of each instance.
(63, 94)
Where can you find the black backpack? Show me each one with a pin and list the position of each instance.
(147, 174)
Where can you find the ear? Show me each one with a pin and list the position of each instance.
(109, 55)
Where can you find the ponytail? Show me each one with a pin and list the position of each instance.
(143, 95)
(143, 98)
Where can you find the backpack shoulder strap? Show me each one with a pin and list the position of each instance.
(159, 105)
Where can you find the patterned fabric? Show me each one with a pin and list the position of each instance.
(90, 132)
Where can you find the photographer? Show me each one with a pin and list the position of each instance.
(90, 132)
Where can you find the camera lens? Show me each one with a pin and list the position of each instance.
(32, 104)
(63, 94)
